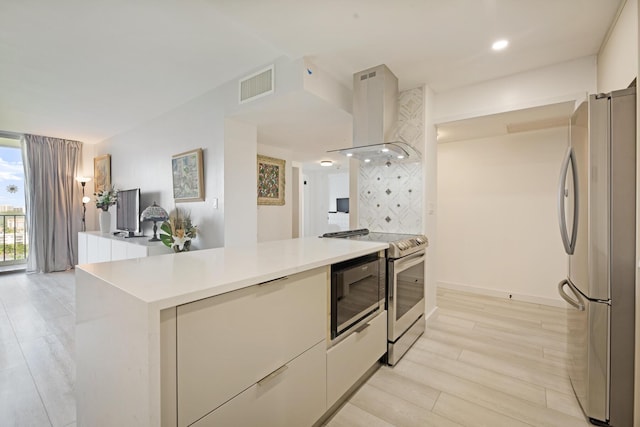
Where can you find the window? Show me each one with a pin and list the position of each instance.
(13, 233)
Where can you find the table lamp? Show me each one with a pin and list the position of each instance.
(154, 213)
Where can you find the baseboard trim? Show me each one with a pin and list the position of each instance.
(503, 294)
(431, 314)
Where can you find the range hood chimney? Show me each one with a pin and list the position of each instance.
(375, 117)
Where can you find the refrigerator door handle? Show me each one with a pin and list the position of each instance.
(576, 304)
(569, 244)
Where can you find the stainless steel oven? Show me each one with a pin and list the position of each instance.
(405, 300)
(357, 291)
(405, 303)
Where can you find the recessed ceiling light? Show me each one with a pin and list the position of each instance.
(326, 163)
(349, 154)
(384, 150)
(500, 44)
(367, 160)
(400, 156)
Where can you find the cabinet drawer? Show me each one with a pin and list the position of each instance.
(229, 342)
(118, 250)
(348, 360)
(295, 396)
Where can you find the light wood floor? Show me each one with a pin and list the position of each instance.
(37, 330)
(482, 362)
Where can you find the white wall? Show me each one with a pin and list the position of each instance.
(557, 83)
(338, 188)
(618, 58)
(324, 86)
(430, 197)
(275, 222)
(240, 178)
(297, 199)
(497, 220)
(142, 158)
(316, 202)
(214, 121)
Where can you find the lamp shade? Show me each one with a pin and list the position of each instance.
(154, 213)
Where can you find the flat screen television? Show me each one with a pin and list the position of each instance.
(342, 205)
(128, 212)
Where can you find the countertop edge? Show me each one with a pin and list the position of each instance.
(163, 302)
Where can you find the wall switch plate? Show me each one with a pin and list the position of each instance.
(214, 203)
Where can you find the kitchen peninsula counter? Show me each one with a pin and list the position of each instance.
(119, 306)
(169, 280)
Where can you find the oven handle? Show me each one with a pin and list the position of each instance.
(402, 264)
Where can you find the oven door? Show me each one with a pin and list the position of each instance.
(357, 290)
(405, 302)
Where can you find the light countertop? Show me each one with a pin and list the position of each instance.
(164, 281)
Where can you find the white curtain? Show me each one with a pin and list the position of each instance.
(53, 202)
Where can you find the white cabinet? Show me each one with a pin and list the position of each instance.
(119, 250)
(82, 249)
(97, 247)
(227, 344)
(294, 395)
(126, 250)
(348, 360)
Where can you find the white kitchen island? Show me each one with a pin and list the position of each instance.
(136, 365)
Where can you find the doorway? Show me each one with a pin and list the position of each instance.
(325, 200)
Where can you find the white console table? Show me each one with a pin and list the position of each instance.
(94, 246)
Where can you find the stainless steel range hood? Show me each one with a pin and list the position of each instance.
(375, 117)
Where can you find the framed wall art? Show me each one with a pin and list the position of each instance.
(102, 173)
(188, 172)
(270, 181)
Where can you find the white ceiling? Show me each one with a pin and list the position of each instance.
(443, 43)
(525, 120)
(89, 70)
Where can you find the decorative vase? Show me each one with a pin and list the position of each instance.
(105, 221)
(185, 248)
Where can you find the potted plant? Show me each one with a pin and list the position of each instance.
(104, 200)
(178, 231)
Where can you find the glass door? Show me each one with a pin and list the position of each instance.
(13, 231)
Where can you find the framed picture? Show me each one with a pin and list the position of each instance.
(270, 181)
(102, 173)
(188, 171)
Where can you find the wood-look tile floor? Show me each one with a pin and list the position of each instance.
(37, 333)
(482, 361)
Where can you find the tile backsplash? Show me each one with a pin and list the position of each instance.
(390, 197)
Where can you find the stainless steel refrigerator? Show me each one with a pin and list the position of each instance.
(597, 214)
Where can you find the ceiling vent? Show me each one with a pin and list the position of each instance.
(257, 85)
